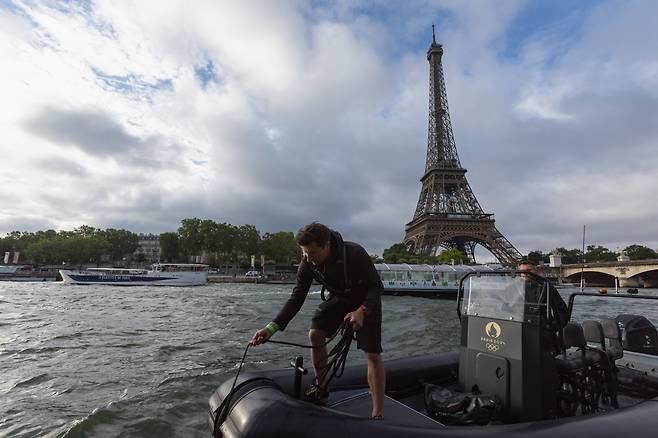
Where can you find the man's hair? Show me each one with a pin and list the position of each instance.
(527, 262)
(314, 232)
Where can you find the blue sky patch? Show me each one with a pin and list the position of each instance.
(131, 84)
(558, 20)
(206, 73)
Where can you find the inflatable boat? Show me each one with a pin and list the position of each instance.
(523, 368)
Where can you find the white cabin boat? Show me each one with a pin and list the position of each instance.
(426, 280)
(9, 269)
(161, 274)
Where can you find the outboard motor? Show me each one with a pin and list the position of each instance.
(638, 334)
(508, 343)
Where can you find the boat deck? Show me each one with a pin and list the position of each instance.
(410, 410)
(359, 404)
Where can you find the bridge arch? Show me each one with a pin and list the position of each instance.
(629, 276)
(592, 278)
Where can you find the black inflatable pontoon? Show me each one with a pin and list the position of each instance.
(515, 373)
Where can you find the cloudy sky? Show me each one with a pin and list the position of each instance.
(136, 114)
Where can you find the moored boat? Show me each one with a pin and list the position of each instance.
(515, 373)
(9, 269)
(161, 274)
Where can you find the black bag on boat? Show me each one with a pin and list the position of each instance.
(638, 334)
(456, 408)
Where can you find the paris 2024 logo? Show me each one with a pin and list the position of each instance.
(492, 340)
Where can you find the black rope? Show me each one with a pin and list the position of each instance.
(227, 400)
(338, 356)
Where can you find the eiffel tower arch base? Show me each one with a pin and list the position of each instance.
(464, 234)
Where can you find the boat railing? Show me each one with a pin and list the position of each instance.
(180, 267)
(121, 271)
(572, 298)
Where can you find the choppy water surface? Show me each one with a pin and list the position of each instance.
(99, 361)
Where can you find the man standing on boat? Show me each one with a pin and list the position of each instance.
(347, 272)
(558, 306)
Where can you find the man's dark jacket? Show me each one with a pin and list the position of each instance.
(365, 286)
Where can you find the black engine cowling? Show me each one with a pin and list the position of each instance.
(638, 334)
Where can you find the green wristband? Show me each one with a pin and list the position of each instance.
(271, 328)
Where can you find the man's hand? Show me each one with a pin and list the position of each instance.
(356, 318)
(261, 337)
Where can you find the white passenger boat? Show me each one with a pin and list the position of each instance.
(8, 269)
(161, 274)
(426, 280)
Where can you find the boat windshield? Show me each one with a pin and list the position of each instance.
(118, 271)
(502, 296)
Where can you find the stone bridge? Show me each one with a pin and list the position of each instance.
(637, 273)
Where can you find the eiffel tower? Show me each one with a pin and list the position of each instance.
(448, 215)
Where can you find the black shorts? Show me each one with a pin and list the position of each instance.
(330, 314)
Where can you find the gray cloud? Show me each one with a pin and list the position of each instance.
(26, 223)
(93, 132)
(99, 135)
(335, 128)
(58, 166)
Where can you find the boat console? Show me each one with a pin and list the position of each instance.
(508, 343)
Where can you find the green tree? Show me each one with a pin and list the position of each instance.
(452, 255)
(398, 253)
(598, 253)
(570, 256)
(191, 237)
(209, 238)
(248, 240)
(639, 252)
(7, 243)
(44, 251)
(226, 236)
(122, 243)
(537, 257)
(18, 241)
(85, 231)
(281, 247)
(212, 260)
(68, 247)
(395, 253)
(169, 246)
(95, 247)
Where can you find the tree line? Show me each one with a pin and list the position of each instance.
(594, 253)
(223, 242)
(82, 245)
(398, 253)
(217, 242)
(226, 243)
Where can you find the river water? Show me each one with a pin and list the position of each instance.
(103, 361)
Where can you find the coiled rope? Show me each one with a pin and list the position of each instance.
(334, 368)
